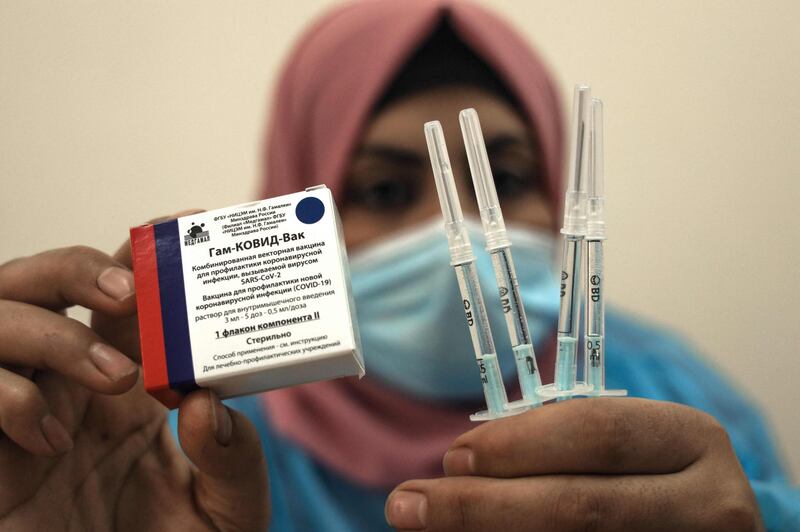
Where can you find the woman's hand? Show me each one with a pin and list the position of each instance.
(82, 446)
(586, 464)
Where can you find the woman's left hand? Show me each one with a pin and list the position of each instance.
(588, 464)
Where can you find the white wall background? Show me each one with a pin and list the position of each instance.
(113, 112)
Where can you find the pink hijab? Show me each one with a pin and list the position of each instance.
(340, 67)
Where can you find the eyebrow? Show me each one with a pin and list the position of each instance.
(391, 153)
(505, 140)
(406, 156)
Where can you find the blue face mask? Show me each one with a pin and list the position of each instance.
(413, 331)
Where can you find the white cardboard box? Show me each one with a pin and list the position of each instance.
(246, 298)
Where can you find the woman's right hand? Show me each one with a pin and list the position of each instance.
(82, 445)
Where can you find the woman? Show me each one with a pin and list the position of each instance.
(349, 112)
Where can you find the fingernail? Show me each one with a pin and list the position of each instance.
(459, 461)
(111, 362)
(55, 434)
(116, 282)
(220, 420)
(407, 509)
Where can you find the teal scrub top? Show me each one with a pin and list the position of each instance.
(647, 361)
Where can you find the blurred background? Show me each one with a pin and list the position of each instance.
(113, 112)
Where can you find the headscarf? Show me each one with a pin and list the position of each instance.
(336, 74)
(345, 62)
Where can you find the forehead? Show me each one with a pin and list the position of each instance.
(400, 123)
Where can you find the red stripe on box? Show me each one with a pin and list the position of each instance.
(148, 302)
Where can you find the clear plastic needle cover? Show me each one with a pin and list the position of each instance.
(595, 224)
(575, 198)
(457, 237)
(491, 216)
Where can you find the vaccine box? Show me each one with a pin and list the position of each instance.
(246, 298)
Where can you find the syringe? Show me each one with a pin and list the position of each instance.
(594, 338)
(574, 229)
(463, 261)
(499, 247)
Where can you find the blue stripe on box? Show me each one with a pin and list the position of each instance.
(173, 307)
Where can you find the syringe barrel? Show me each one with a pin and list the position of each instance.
(474, 308)
(569, 314)
(575, 197)
(595, 288)
(595, 362)
(569, 310)
(566, 362)
(481, 335)
(517, 323)
(594, 337)
(510, 298)
(457, 236)
(489, 206)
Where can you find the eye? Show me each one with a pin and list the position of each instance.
(516, 168)
(385, 193)
(510, 184)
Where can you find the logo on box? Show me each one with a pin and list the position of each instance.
(196, 235)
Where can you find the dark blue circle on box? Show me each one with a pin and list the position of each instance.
(310, 210)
